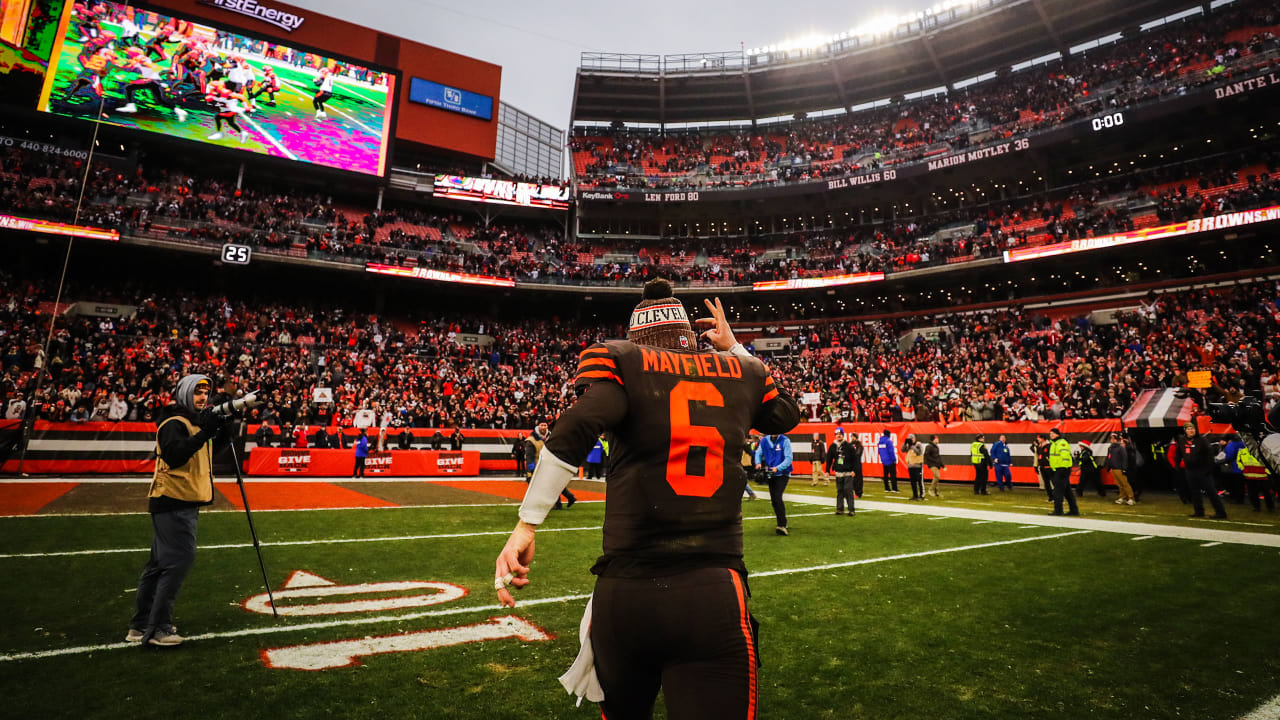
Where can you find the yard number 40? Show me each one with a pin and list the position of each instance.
(347, 653)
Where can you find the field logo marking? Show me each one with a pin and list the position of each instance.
(302, 584)
(347, 653)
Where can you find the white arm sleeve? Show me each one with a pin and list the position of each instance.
(739, 350)
(550, 478)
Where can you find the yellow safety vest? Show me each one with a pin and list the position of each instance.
(1060, 454)
(975, 452)
(1249, 465)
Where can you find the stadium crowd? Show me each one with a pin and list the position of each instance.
(176, 205)
(1167, 60)
(996, 365)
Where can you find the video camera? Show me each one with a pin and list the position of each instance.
(1259, 430)
(238, 405)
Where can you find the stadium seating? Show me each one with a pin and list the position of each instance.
(1234, 39)
(998, 364)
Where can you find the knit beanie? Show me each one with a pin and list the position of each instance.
(184, 394)
(660, 320)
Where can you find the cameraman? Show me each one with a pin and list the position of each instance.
(774, 458)
(187, 437)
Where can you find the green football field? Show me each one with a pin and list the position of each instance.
(883, 615)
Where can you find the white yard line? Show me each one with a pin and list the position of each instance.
(269, 137)
(1203, 534)
(371, 131)
(340, 541)
(1142, 537)
(273, 630)
(1210, 544)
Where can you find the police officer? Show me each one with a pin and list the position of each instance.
(842, 460)
(981, 460)
(1060, 469)
(1256, 481)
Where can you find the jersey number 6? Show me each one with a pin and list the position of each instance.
(685, 436)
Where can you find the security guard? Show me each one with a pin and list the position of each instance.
(1060, 466)
(1256, 480)
(981, 460)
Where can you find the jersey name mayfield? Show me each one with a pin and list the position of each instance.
(673, 417)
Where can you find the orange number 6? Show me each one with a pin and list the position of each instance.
(685, 436)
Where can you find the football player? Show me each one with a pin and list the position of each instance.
(669, 610)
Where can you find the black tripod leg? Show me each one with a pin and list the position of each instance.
(252, 531)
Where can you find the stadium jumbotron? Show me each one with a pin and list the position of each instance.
(982, 295)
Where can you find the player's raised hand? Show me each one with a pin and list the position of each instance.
(512, 567)
(717, 331)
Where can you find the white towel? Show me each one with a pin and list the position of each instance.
(580, 679)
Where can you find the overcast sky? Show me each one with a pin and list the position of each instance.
(538, 44)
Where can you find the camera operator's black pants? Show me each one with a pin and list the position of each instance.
(1259, 490)
(777, 486)
(1200, 484)
(890, 477)
(173, 552)
(980, 479)
(916, 474)
(689, 634)
(1062, 489)
(844, 492)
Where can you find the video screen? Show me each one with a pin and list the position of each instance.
(136, 68)
(28, 29)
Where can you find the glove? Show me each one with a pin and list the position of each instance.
(209, 421)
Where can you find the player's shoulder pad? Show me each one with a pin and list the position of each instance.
(599, 362)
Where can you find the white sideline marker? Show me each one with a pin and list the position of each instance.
(1143, 537)
(273, 630)
(339, 541)
(346, 653)
(1210, 544)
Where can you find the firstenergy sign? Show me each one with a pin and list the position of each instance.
(1216, 222)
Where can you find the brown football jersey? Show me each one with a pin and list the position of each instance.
(678, 422)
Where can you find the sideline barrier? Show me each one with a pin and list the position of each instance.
(312, 462)
(129, 448)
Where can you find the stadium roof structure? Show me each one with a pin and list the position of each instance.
(933, 50)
